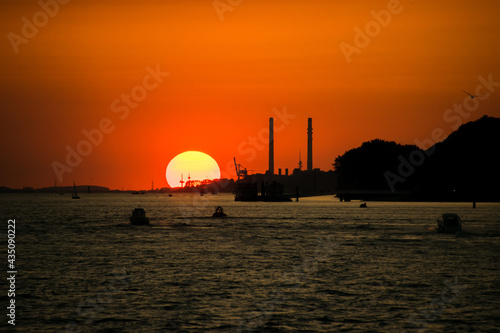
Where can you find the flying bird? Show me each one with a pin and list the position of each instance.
(471, 96)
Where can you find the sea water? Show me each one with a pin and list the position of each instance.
(317, 265)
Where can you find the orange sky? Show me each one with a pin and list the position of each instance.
(225, 78)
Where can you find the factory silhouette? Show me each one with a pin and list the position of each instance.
(282, 186)
(361, 173)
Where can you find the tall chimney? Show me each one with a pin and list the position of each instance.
(309, 144)
(271, 147)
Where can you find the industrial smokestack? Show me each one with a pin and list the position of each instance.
(271, 147)
(309, 145)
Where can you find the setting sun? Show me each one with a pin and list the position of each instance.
(192, 165)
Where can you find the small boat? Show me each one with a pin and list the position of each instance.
(449, 223)
(139, 217)
(74, 195)
(138, 192)
(363, 205)
(219, 212)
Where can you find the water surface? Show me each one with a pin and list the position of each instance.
(313, 266)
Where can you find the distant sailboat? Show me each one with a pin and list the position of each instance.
(75, 195)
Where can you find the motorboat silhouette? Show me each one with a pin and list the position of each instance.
(449, 223)
(219, 212)
(139, 217)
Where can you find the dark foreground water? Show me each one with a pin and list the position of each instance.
(313, 266)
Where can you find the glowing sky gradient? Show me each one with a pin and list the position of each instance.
(225, 78)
